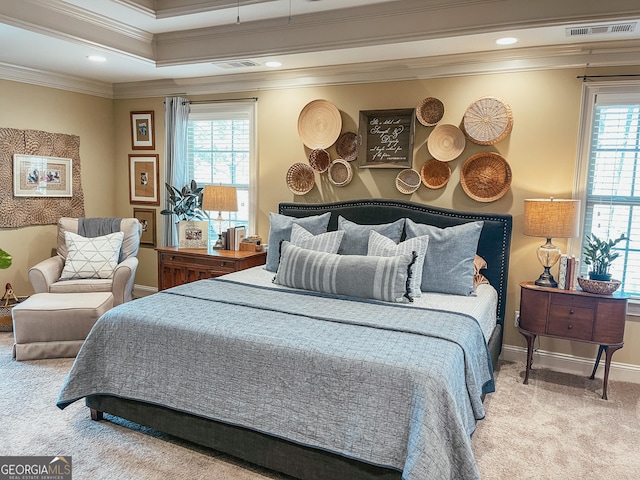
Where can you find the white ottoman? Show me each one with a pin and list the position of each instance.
(52, 325)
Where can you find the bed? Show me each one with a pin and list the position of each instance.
(311, 384)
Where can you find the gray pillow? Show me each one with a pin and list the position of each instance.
(356, 236)
(323, 242)
(280, 229)
(448, 266)
(379, 245)
(352, 275)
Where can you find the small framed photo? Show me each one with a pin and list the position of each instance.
(193, 234)
(40, 176)
(144, 179)
(147, 218)
(142, 131)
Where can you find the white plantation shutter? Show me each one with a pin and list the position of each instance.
(612, 194)
(221, 151)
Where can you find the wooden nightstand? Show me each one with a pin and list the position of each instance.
(177, 266)
(573, 315)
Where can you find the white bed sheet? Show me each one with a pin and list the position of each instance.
(482, 305)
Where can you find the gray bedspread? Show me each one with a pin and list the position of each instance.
(389, 384)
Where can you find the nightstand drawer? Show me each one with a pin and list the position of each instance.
(573, 301)
(570, 322)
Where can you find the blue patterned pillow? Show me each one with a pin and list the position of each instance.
(280, 229)
(381, 278)
(356, 236)
(448, 266)
(323, 242)
(381, 246)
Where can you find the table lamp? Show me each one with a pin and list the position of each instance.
(222, 199)
(550, 218)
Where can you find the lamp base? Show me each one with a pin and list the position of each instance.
(218, 245)
(546, 280)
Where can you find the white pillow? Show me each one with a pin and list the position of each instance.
(323, 242)
(91, 257)
(381, 246)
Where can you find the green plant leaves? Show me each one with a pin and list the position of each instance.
(5, 259)
(186, 203)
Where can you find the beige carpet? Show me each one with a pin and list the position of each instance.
(557, 427)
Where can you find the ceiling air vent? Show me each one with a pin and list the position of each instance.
(236, 64)
(600, 29)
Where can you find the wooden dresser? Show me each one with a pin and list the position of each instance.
(177, 266)
(573, 315)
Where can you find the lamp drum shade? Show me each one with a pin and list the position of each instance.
(551, 218)
(220, 198)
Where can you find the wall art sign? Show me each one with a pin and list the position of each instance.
(144, 179)
(147, 218)
(385, 138)
(142, 131)
(41, 176)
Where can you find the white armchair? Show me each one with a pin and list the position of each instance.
(45, 276)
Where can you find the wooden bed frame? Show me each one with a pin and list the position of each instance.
(297, 460)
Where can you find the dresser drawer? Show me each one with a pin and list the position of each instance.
(220, 265)
(570, 321)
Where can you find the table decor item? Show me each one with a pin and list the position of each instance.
(599, 254)
(429, 111)
(300, 178)
(435, 174)
(319, 124)
(485, 177)
(488, 120)
(599, 287)
(446, 142)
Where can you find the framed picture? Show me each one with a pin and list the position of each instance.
(144, 179)
(142, 127)
(147, 218)
(385, 138)
(193, 234)
(40, 176)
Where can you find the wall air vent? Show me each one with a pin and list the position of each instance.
(236, 64)
(601, 29)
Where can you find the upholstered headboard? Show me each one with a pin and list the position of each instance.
(494, 244)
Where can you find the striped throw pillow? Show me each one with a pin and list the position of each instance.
(382, 246)
(381, 278)
(323, 242)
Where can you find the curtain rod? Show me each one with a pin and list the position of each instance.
(587, 77)
(221, 100)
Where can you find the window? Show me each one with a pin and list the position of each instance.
(221, 151)
(610, 175)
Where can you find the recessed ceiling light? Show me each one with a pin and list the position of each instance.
(507, 41)
(96, 58)
(273, 64)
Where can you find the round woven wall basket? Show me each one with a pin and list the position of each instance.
(429, 111)
(347, 146)
(435, 174)
(300, 178)
(488, 120)
(485, 177)
(319, 124)
(340, 172)
(408, 181)
(446, 142)
(319, 160)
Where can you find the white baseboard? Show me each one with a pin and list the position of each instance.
(143, 291)
(570, 364)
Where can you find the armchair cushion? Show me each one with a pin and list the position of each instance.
(91, 257)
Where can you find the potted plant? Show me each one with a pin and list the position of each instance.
(599, 254)
(5, 259)
(186, 203)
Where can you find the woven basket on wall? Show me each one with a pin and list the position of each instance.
(446, 142)
(319, 124)
(319, 160)
(300, 178)
(347, 146)
(408, 181)
(429, 111)
(485, 177)
(488, 120)
(340, 172)
(435, 174)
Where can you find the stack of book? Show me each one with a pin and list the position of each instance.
(233, 237)
(568, 272)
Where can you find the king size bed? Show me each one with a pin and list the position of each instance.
(314, 382)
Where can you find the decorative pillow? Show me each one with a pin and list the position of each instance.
(280, 229)
(381, 278)
(356, 236)
(381, 246)
(323, 242)
(479, 263)
(448, 266)
(91, 257)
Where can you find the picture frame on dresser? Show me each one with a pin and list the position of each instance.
(147, 218)
(144, 179)
(142, 131)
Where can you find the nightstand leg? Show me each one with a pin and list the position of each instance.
(610, 350)
(530, 340)
(595, 367)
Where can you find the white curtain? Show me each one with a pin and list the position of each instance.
(176, 115)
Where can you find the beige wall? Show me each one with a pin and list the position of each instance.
(541, 151)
